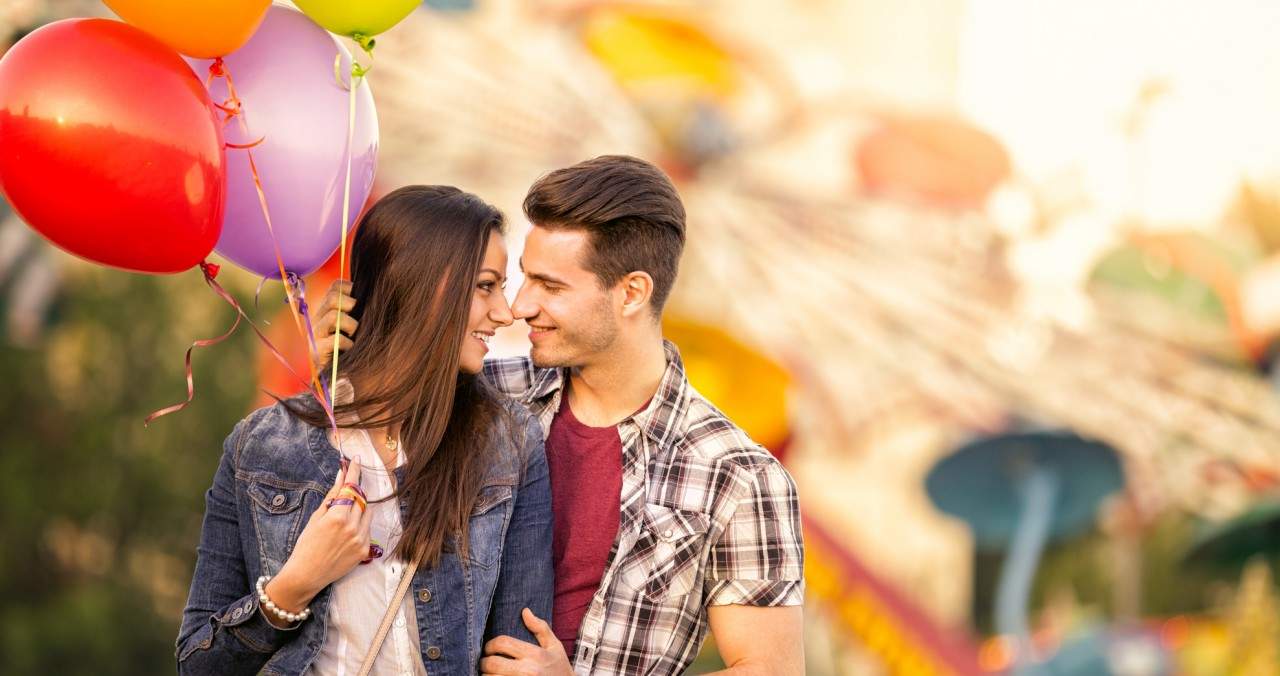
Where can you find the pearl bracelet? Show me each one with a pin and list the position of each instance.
(276, 610)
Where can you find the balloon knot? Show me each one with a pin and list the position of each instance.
(210, 270)
(217, 68)
(366, 42)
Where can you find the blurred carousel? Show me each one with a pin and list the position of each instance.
(848, 299)
(864, 328)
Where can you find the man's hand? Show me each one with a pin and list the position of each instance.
(506, 656)
(326, 321)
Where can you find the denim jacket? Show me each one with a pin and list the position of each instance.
(275, 470)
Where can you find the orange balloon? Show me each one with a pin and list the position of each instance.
(202, 29)
(940, 160)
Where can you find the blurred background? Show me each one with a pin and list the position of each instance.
(998, 281)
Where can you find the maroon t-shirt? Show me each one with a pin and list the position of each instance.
(586, 488)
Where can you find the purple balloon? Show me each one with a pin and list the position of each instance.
(291, 99)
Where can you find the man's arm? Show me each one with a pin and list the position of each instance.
(763, 640)
(755, 577)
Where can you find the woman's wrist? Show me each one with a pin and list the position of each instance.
(287, 593)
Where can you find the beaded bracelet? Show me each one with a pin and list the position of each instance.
(276, 610)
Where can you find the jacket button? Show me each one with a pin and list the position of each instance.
(433, 653)
(277, 500)
(425, 596)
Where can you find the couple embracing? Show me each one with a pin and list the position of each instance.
(582, 510)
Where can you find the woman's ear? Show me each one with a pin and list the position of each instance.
(637, 292)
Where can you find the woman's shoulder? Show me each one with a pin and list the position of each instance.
(519, 435)
(522, 422)
(271, 438)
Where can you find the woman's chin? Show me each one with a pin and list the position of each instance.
(471, 363)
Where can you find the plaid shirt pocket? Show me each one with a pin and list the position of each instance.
(670, 550)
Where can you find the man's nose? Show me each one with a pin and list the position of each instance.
(524, 307)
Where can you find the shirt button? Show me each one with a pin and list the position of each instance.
(235, 614)
(400, 621)
(667, 533)
(433, 653)
(425, 596)
(277, 500)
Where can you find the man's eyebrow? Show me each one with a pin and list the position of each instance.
(545, 279)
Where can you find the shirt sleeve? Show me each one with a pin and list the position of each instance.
(758, 559)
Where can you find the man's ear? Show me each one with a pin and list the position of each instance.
(637, 292)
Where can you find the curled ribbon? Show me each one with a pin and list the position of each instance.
(233, 108)
(210, 272)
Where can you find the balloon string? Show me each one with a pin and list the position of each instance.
(210, 272)
(234, 108)
(357, 74)
(300, 290)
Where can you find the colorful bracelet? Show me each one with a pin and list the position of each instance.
(276, 610)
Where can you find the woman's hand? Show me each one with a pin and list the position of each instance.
(327, 321)
(334, 541)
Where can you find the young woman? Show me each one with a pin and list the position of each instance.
(307, 534)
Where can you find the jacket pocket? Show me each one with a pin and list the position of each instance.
(277, 519)
(488, 525)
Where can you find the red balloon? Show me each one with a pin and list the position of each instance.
(110, 147)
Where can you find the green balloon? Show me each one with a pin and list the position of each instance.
(351, 18)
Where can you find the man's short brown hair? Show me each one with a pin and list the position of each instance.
(629, 208)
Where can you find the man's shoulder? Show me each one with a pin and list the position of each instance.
(708, 436)
(512, 376)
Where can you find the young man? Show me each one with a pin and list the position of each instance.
(669, 520)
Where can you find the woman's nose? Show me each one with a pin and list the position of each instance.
(500, 312)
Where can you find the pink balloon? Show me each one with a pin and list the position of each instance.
(284, 77)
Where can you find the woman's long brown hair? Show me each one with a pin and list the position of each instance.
(414, 262)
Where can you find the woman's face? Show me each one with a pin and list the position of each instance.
(489, 309)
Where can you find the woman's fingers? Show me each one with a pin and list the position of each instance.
(356, 513)
(333, 491)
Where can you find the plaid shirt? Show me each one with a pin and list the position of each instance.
(708, 518)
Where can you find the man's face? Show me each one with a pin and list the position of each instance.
(571, 319)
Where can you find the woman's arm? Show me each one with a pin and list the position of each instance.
(223, 631)
(526, 578)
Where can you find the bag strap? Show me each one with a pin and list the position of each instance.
(392, 611)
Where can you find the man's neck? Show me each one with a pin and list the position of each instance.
(619, 384)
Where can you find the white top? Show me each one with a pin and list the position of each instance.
(359, 599)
